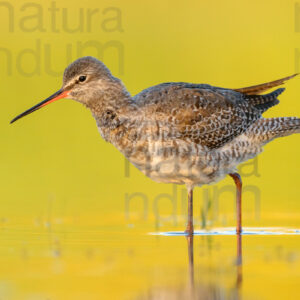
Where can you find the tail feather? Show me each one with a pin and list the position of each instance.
(260, 88)
(264, 102)
(265, 130)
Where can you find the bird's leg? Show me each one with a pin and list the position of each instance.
(238, 182)
(190, 227)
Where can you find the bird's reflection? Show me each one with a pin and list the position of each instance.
(190, 242)
(239, 263)
(239, 269)
(198, 288)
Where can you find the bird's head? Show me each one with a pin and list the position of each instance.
(85, 80)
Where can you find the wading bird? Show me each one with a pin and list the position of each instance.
(177, 132)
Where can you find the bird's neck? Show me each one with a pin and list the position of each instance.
(113, 111)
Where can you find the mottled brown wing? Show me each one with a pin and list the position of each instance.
(198, 113)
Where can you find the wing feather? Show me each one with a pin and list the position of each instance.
(198, 113)
(260, 88)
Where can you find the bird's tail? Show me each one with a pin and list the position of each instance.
(265, 130)
(264, 102)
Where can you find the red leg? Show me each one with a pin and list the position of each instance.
(190, 227)
(238, 182)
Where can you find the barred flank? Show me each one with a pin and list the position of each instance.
(265, 130)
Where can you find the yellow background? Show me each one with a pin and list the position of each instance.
(59, 176)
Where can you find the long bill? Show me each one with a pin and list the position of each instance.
(56, 96)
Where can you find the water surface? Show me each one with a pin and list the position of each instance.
(125, 262)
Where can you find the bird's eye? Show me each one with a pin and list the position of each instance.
(82, 78)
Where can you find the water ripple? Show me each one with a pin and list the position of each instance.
(231, 231)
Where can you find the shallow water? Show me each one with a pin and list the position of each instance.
(125, 262)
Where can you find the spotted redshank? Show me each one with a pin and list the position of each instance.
(177, 132)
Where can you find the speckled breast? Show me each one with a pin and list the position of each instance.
(172, 162)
